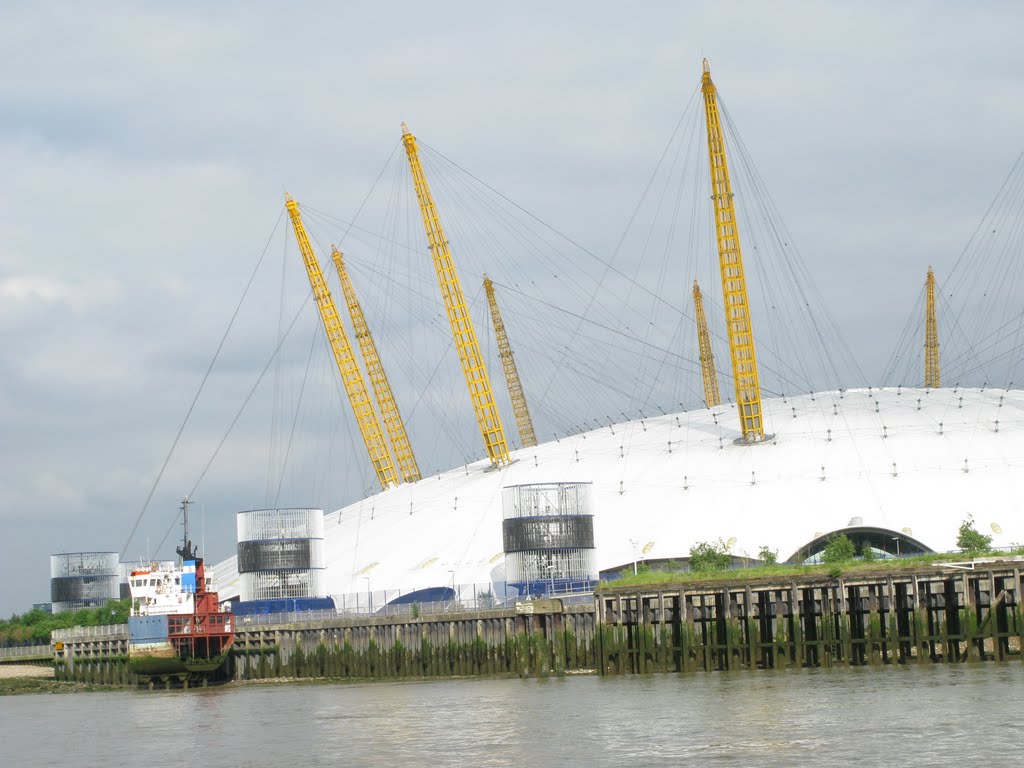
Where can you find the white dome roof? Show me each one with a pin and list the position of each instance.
(896, 459)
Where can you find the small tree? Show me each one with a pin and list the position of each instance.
(768, 556)
(838, 549)
(709, 556)
(970, 539)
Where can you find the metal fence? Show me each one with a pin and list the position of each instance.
(25, 652)
(74, 633)
(467, 597)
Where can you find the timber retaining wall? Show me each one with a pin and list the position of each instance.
(948, 614)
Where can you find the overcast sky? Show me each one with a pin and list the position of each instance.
(146, 148)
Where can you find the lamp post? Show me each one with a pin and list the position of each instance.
(369, 594)
(635, 544)
(453, 585)
(897, 540)
(551, 577)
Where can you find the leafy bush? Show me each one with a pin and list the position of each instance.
(838, 549)
(35, 626)
(768, 556)
(707, 556)
(970, 539)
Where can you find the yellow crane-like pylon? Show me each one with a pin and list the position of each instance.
(524, 423)
(351, 377)
(734, 284)
(378, 379)
(473, 368)
(707, 359)
(931, 335)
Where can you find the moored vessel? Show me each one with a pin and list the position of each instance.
(177, 629)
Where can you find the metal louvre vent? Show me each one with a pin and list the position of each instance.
(549, 532)
(276, 554)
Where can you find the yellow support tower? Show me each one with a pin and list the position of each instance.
(734, 284)
(378, 379)
(931, 336)
(707, 359)
(473, 368)
(515, 387)
(366, 417)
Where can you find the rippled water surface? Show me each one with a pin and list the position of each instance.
(918, 716)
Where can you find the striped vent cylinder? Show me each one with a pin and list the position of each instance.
(548, 534)
(281, 553)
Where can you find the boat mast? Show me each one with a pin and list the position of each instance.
(185, 551)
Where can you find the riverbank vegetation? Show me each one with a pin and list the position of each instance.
(35, 626)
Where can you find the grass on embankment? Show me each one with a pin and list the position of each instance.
(783, 571)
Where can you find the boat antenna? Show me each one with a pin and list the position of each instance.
(185, 551)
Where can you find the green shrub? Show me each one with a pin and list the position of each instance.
(838, 549)
(970, 539)
(706, 557)
(768, 556)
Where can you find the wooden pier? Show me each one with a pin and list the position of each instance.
(952, 613)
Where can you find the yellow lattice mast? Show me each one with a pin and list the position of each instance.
(931, 335)
(707, 359)
(515, 387)
(366, 417)
(734, 285)
(378, 379)
(466, 343)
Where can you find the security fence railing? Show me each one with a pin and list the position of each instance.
(74, 633)
(463, 597)
(24, 652)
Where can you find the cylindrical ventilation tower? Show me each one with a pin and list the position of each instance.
(548, 531)
(281, 553)
(83, 579)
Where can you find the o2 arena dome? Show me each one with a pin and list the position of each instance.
(897, 467)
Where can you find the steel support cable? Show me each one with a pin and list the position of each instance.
(271, 448)
(774, 231)
(519, 230)
(972, 353)
(669, 242)
(607, 264)
(911, 327)
(252, 391)
(238, 414)
(202, 384)
(979, 249)
(954, 285)
(625, 335)
(751, 210)
(506, 199)
(1000, 280)
(457, 202)
(791, 255)
(295, 420)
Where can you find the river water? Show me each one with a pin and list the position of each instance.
(916, 716)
